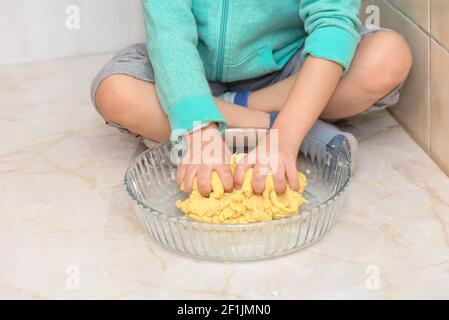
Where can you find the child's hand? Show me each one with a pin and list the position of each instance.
(277, 159)
(211, 154)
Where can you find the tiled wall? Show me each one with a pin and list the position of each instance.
(33, 30)
(424, 107)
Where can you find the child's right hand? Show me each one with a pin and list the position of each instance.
(211, 154)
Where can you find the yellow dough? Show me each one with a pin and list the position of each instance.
(242, 206)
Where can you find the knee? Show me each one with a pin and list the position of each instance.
(111, 99)
(389, 62)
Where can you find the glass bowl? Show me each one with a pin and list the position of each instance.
(151, 184)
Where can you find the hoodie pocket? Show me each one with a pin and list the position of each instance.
(256, 64)
(268, 61)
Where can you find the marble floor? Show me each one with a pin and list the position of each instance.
(67, 229)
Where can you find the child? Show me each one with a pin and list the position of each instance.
(256, 64)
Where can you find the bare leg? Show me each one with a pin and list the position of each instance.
(134, 105)
(382, 62)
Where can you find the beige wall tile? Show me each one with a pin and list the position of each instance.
(417, 10)
(440, 21)
(440, 106)
(412, 111)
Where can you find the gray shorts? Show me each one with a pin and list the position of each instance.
(134, 61)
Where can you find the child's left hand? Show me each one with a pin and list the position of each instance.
(276, 158)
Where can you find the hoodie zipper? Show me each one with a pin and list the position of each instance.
(224, 22)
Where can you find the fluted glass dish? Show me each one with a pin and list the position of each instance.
(151, 184)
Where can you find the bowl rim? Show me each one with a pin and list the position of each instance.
(186, 220)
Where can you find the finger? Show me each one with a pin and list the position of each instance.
(203, 176)
(243, 165)
(292, 175)
(180, 174)
(239, 171)
(279, 179)
(225, 174)
(239, 174)
(190, 174)
(259, 178)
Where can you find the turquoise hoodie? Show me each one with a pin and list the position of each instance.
(192, 41)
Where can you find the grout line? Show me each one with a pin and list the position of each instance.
(404, 15)
(440, 44)
(109, 54)
(428, 33)
(429, 67)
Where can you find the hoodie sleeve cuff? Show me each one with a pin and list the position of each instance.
(194, 112)
(332, 43)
